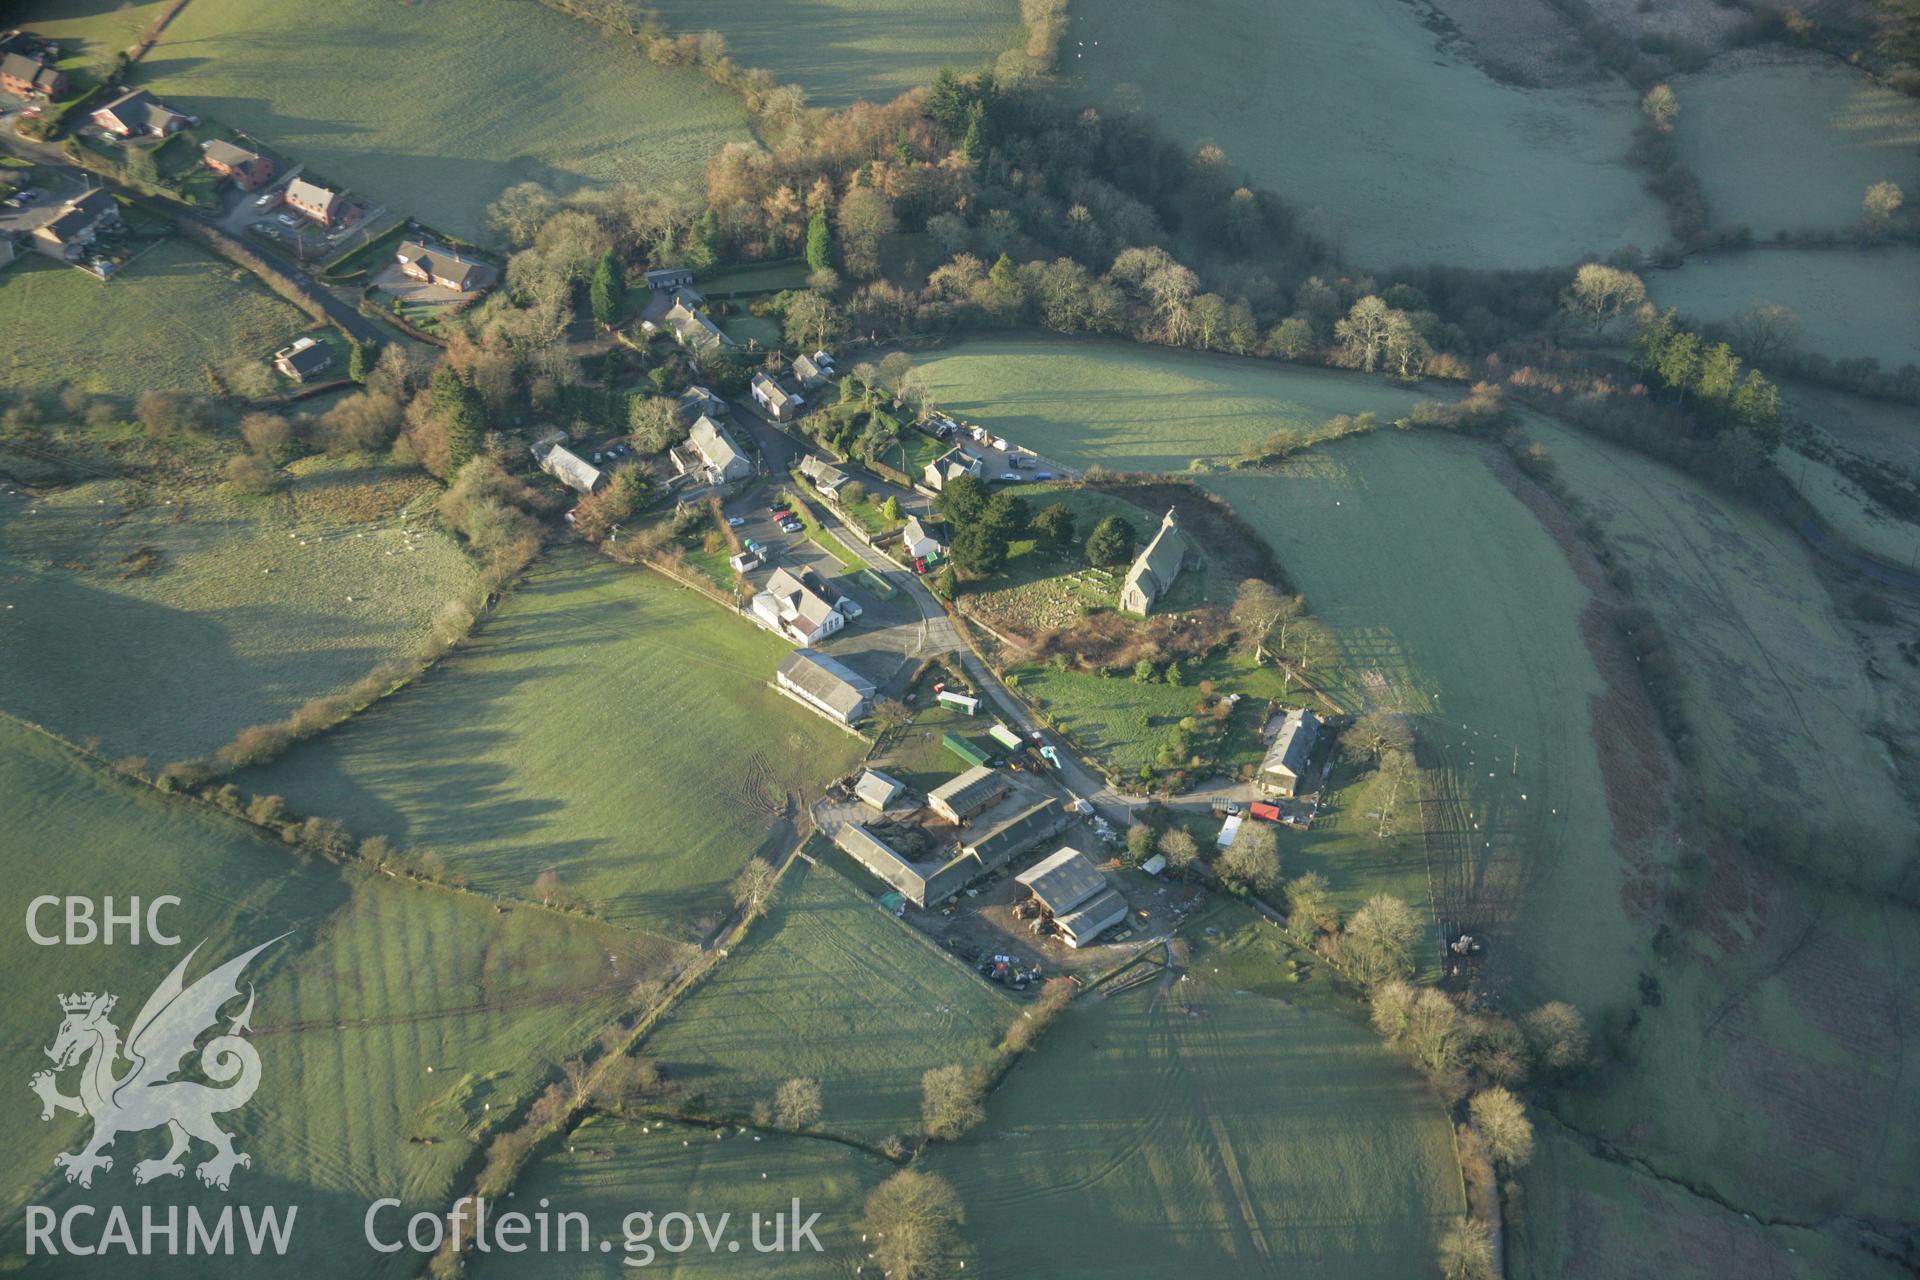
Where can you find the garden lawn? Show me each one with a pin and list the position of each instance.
(1790, 146)
(1451, 603)
(387, 1019)
(163, 615)
(1189, 1127)
(609, 1168)
(446, 104)
(842, 50)
(1852, 302)
(831, 987)
(604, 724)
(1128, 407)
(1393, 150)
(1123, 725)
(168, 317)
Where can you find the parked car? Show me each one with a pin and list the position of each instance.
(288, 219)
(734, 522)
(1043, 475)
(267, 201)
(849, 606)
(28, 196)
(791, 526)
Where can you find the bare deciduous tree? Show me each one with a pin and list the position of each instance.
(912, 1218)
(951, 1102)
(797, 1103)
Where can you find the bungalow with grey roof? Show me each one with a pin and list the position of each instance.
(304, 358)
(436, 264)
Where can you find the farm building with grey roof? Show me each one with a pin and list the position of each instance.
(1286, 760)
(825, 685)
(962, 796)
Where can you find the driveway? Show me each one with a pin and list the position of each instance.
(64, 185)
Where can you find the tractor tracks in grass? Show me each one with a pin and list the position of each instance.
(526, 1000)
(1195, 1045)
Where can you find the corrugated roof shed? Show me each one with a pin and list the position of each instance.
(1063, 880)
(1013, 828)
(1093, 918)
(827, 682)
(878, 789)
(968, 793)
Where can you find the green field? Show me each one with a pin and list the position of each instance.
(1395, 152)
(386, 1023)
(90, 32)
(162, 615)
(609, 1168)
(1852, 512)
(603, 724)
(842, 50)
(1450, 602)
(169, 316)
(1854, 431)
(1590, 1217)
(1852, 302)
(831, 988)
(1792, 146)
(1773, 681)
(1137, 408)
(1192, 1128)
(445, 104)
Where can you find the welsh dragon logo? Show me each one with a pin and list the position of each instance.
(147, 1096)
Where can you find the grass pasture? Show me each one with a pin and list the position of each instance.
(1852, 302)
(1394, 150)
(386, 1023)
(1450, 602)
(1773, 682)
(162, 322)
(161, 616)
(604, 724)
(829, 987)
(448, 103)
(1135, 408)
(90, 32)
(610, 1167)
(1186, 1127)
(840, 51)
(1789, 146)
(1590, 1217)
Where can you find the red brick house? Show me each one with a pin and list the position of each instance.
(248, 169)
(317, 203)
(138, 114)
(30, 77)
